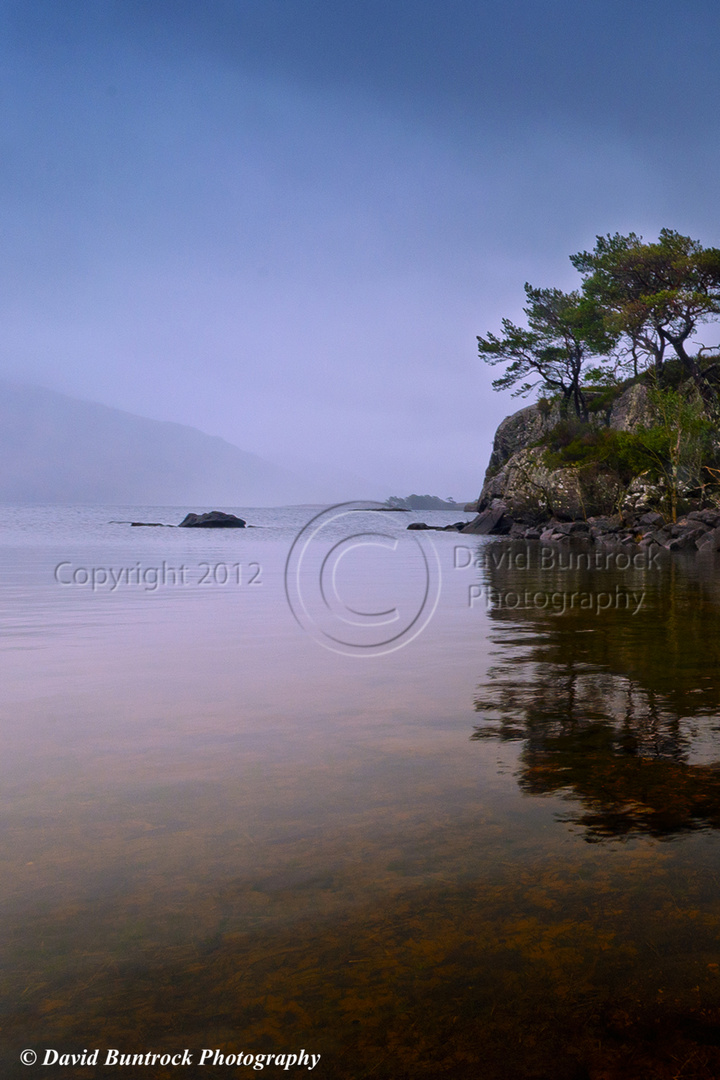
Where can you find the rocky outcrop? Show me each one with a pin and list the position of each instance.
(216, 519)
(641, 536)
(520, 430)
(697, 531)
(532, 492)
(631, 410)
(526, 427)
(525, 497)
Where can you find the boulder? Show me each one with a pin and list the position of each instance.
(600, 524)
(652, 539)
(631, 410)
(686, 539)
(652, 519)
(490, 522)
(709, 541)
(642, 494)
(216, 519)
(708, 517)
(686, 524)
(571, 528)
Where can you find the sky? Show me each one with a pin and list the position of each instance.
(285, 221)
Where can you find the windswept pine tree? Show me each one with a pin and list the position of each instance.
(639, 304)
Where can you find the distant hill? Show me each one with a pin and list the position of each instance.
(58, 449)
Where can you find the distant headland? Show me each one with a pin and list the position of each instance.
(423, 502)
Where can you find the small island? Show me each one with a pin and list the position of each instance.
(422, 502)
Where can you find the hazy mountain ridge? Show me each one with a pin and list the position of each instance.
(58, 449)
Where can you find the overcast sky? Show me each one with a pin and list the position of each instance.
(285, 221)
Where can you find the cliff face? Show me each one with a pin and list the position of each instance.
(518, 476)
(519, 431)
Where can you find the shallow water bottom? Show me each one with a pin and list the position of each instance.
(218, 835)
(542, 967)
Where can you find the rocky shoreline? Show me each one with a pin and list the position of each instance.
(697, 531)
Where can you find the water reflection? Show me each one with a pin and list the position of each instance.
(617, 708)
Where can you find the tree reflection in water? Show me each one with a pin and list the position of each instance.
(618, 712)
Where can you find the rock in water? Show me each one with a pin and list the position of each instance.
(216, 519)
(490, 522)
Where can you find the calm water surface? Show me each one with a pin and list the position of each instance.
(491, 853)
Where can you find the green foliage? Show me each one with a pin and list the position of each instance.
(688, 429)
(564, 331)
(602, 398)
(677, 450)
(627, 453)
(653, 296)
(640, 304)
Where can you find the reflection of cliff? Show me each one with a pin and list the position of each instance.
(617, 711)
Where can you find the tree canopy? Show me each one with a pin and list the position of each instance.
(638, 304)
(565, 329)
(653, 295)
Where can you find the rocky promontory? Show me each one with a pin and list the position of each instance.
(533, 491)
(530, 492)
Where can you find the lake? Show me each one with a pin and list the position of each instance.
(424, 804)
